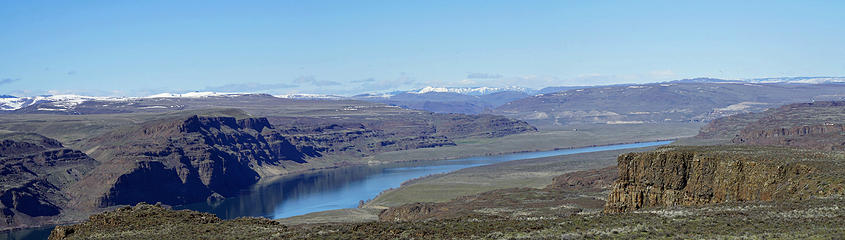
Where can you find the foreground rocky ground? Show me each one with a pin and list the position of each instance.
(818, 218)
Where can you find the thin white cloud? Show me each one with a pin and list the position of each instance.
(311, 80)
(251, 87)
(8, 80)
(483, 76)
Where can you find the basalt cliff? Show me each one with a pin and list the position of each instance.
(184, 157)
(817, 125)
(34, 172)
(694, 176)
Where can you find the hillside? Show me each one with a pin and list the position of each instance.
(680, 101)
(671, 192)
(816, 125)
(180, 157)
(447, 101)
(35, 172)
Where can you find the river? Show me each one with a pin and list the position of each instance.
(338, 188)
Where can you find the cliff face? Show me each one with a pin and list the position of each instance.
(189, 159)
(816, 125)
(34, 170)
(363, 137)
(357, 139)
(673, 176)
(828, 136)
(190, 156)
(177, 161)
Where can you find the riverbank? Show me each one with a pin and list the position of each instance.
(535, 172)
(576, 136)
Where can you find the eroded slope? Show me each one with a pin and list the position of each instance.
(34, 173)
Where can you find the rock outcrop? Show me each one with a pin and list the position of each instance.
(34, 171)
(202, 155)
(673, 176)
(817, 125)
(183, 160)
(186, 159)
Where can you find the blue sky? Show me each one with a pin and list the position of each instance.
(130, 48)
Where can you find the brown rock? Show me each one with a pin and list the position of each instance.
(672, 176)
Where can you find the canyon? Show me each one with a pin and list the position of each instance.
(190, 156)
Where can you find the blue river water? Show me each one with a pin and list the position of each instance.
(338, 188)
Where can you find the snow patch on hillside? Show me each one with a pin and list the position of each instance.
(308, 96)
(192, 95)
(468, 90)
(63, 101)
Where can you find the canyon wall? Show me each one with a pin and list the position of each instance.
(34, 171)
(673, 176)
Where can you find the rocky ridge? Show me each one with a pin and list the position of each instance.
(678, 101)
(695, 176)
(34, 172)
(816, 125)
(184, 157)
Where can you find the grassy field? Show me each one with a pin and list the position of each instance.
(340, 215)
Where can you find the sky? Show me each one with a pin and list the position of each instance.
(139, 48)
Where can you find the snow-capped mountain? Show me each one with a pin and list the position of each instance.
(470, 90)
(69, 101)
(64, 101)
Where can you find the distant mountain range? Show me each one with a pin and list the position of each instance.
(467, 100)
(450, 99)
(693, 100)
(805, 80)
(470, 90)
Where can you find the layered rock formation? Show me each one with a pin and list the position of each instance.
(357, 139)
(186, 159)
(363, 137)
(673, 176)
(190, 156)
(817, 125)
(34, 172)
